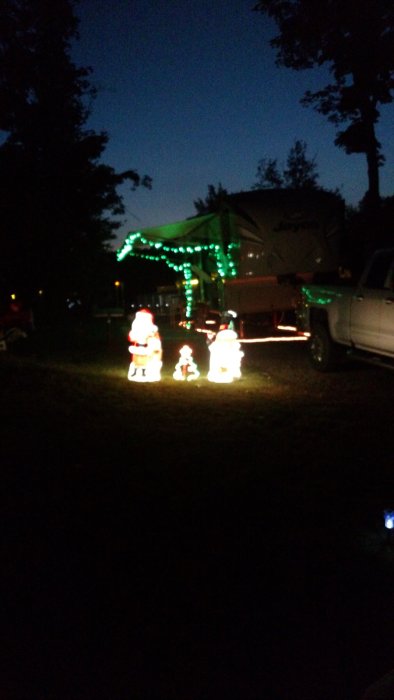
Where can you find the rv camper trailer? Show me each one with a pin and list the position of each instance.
(251, 256)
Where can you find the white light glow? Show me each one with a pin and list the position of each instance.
(145, 349)
(389, 520)
(186, 369)
(225, 357)
(275, 339)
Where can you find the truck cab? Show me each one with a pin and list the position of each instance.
(372, 308)
(359, 318)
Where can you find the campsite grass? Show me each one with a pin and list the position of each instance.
(192, 540)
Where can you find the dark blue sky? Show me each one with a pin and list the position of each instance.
(189, 94)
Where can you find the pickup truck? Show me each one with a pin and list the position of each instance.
(354, 321)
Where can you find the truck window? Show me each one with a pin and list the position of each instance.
(378, 272)
(390, 278)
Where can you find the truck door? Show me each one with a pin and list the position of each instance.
(368, 303)
(387, 314)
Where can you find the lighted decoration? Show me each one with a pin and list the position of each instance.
(186, 369)
(145, 349)
(182, 256)
(225, 357)
(389, 519)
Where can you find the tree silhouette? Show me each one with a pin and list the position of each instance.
(298, 173)
(213, 201)
(356, 42)
(58, 198)
(268, 174)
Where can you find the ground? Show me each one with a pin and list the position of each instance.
(192, 540)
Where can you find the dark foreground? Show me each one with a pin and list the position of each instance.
(198, 541)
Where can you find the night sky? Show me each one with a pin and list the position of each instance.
(189, 94)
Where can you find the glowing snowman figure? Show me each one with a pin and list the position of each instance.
(145, 349)
(186, 369)
(225, 357)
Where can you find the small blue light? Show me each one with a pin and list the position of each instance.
(389, 519)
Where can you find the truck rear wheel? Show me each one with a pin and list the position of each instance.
(324, 354)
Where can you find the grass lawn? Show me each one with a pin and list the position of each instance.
(191, 541)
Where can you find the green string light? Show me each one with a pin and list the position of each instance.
(162, 252)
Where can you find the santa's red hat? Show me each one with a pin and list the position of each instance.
(145, 311)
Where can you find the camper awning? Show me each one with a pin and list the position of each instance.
(197, 229)
(182, 243)
(193, 233)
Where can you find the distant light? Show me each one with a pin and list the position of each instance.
(192, 282)
(117, 283)
(13, 297)
(286, 328)
(276, 339)
(389, 519)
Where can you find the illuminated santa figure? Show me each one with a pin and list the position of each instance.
(225, 357)
(186, 369)
(145, 349)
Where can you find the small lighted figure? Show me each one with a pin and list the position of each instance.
(389, 519)
(225, 356)
(186, 369)
(145, 349)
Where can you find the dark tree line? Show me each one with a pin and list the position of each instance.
(356, 42)
(58, 199)
(299, 171)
